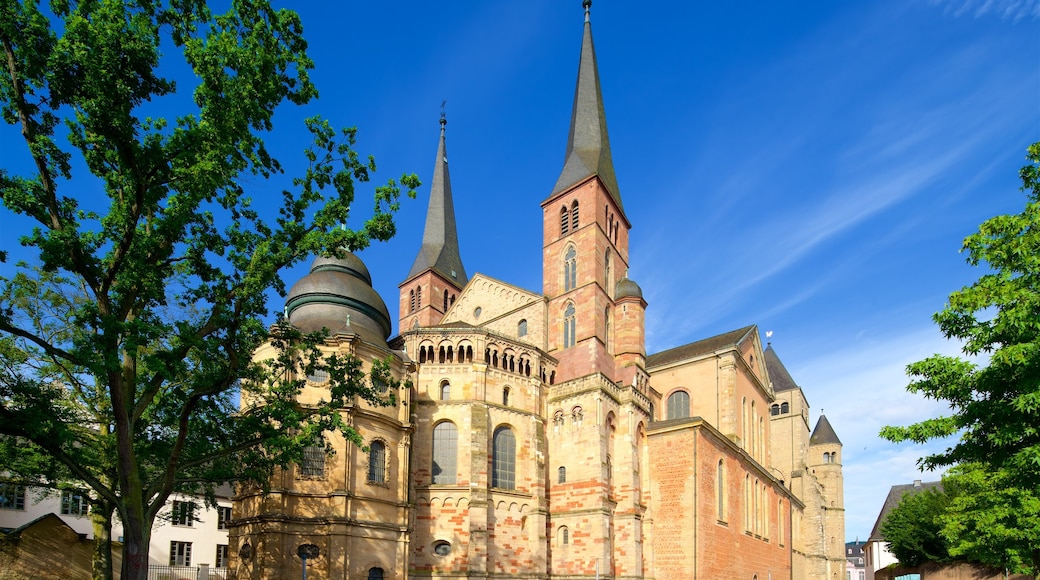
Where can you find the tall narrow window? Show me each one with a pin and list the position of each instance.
(377, 462)
(569, 326)
(748, 503)
(445, 450)
(606, 328)
(561, 473)
(445, 300)
(780, 521)
(503, 473)
(445, 390)
(521, 328)
(608, 269)
(570, 269)
(418, 297)
(411, 301)
(183, 513)
(505, 396)
(785, 408)
(679, 405)
(565, 537)
(720, 492)
(222, 556)
(565, 220)
(574, 215)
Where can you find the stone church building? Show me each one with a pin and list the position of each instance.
(534, 437)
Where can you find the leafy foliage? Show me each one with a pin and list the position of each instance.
(991, 519)
(995, 408)
(912, 529)
(128, 341)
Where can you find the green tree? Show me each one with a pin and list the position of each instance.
(125, 353)
(913, 528)
(995, 405)
(991, 519)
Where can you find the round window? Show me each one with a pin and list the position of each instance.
(442, 548)
(476, 312)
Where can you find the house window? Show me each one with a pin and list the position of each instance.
(312, 464)
(503, 473)
(180, 553)
(679, 405)
(377, 462)
(222, 556)
(570, 269)
(12, 496)
(521, 328)
(183, 514)
(561, 474)
(445, 390)
(564, 220)
(375, 574)
(445, 450)
(569, 326)
(223, 517)
(75, 503)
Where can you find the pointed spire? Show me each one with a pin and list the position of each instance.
(440, 245)
(778, 374)
(588, 146)
(824, 434)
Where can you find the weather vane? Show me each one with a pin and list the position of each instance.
(444, 116)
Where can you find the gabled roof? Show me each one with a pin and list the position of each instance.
(824, 434)
(588, 146)
(895, 495)
(782, 380)
(693, 349)
(440, 245)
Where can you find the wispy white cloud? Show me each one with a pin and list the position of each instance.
(1014, 10)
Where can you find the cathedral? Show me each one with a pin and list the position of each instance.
(533, 436)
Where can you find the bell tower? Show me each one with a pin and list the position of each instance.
(585, 237)
(437, 275)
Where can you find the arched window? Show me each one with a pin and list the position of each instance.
(569, 326)
(828, 458)
(377, 462)
(774, 409)
(445, 390)
(411, 301)
(561, 473)
(565, 537)
(574, 215)
(606, 328)
(720, 492)
(748, 503)
(521, 328)
(564, 221)
(503, 472)
(679, 405)
(570, 269)
(505, 396)
(785, 408)
(608, 269)
(375, 574)
(418, 296)
(445, 450)
(445, 300)
(780, 521)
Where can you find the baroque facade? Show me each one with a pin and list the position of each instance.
(537, 438)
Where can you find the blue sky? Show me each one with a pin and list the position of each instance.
(807, 167)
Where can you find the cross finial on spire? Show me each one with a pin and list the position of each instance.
(586, 4)
(444, 116)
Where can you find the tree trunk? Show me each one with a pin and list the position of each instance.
(101, 525)
(136, 536)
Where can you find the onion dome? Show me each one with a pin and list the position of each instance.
(626, 288)
(338, 295)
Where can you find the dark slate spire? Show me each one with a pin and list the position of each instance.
(782, 380)
(588, 147)
(440, 245)
(824, 434)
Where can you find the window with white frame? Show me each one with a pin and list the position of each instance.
(180, 553)
(221, 560)
(75, 502)
(183, 514)
(223, 517)
(12, 496)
